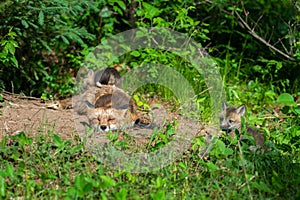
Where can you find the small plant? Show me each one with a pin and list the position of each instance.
(8, 46)
(290, 106)
(141, 102)
(159, 139)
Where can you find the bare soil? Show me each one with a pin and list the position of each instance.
(34, 116)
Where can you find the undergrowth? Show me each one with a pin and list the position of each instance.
(49, 166)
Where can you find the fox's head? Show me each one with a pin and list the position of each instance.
(106, 119)
(230, 117)
(103, 116)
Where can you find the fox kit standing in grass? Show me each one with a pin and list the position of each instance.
(231, 119)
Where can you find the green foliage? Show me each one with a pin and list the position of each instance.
(244, 57)
(49, 40)
(8, 45)
(33, 168)
(290, 105)
(43, 44)
(43, 31)
(141, 102)
(159, 139)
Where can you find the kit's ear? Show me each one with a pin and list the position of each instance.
(90, 73)
(89, 105)
(241, 110)
(224, 105)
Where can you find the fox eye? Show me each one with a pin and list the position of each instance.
(230, 121)
(111, 119)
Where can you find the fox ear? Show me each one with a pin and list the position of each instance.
(89, 105)
(224, 105)
(241, 110)
(91, 73)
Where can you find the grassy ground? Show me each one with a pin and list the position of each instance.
(50, 167)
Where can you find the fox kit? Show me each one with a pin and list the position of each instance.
(108, 108)
(230, 120)
(107, 76)
(104, 119)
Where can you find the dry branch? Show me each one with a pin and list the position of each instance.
(252, 32)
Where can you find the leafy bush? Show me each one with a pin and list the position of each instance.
(46, 32)
(53, 38)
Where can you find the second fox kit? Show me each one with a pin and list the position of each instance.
(230, 120)
(107, 76)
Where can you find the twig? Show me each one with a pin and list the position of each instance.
(271, 35)
(279, 117)
(255, 24)
(252, 32)
(19, 96)
(283, 46)
(250, 179)
(243, 24)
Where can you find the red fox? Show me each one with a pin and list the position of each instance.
(108, 108)
(230, 120)
(105, 119)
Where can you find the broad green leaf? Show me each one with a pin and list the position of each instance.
(41, 18)
(14, 62)
(121, 4)
(107, 181)
(3, 42)
(14, 43)
(151, 11)
(57, 140)
(118, 10)
(285, 98)
(87, 188)
(79, 182)
(10, 170)
(24, 23)
(66, 41)
(122, 195)
(211, 166)
(135, 53)
(2, 186)
(105, 12)
(136, 97)
(160, 194)
(11, 48)
(11, 34)
(297, 109)
(33, 25)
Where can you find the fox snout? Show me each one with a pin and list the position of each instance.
(105, 128)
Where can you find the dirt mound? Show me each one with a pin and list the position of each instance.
(32, 116)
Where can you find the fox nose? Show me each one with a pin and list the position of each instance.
(103, 127)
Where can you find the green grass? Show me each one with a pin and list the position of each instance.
(50, 167)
